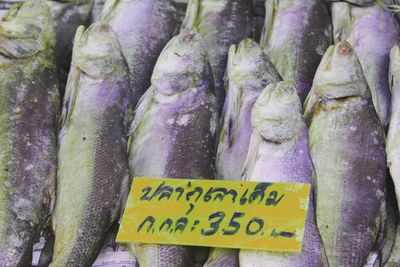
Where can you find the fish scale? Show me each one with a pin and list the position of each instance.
(29, 106)
(93, 160)
(177, 115)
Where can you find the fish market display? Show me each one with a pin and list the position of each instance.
(29, 104)
(295, 37)
(372, 31)
(143, 28)
(279, 152)
(347, 148)
(220, 23)
(92, 174)
(249, 71)
(177, 116)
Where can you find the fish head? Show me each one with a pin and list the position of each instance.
(98, 53)
(277, 113)
(247, 65)
(340, 75)
(27, 29)
(182, 65)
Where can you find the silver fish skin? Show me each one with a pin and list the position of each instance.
(347, 147)
(392, 139)
(143, 28)
(296, 34)
(178, 116)
(92, 176)
(279, 152)
(29, 104)
(220, 23)
(362, 27)
(249, 71)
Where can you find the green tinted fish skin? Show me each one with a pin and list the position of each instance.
(143, 28)
(347, 148)
(392, 140)
(29, 104)
(67, 15)
(177, 115)
(362, 27)
(296, 34)
(92, 175)
(220, 23)
(279, 152)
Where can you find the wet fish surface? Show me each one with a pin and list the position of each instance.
(29, 103)
(347, 148)
(92, 175)
(177, 115)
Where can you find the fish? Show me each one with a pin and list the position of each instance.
(362, 27)
(178, 117)
(347, 144)
(68, 16)
(296, 34)
(29, 104)
(249, 71)
(143, 28)
(220, 23)
(392, 143)
(92, 176)
(279, 152)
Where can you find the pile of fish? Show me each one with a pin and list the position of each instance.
(93, 93)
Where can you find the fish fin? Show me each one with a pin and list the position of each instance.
(342, 25)
(143, 105)
(72, 84)
(310, 106)
(270, 11)
(232, 105)
(109, 7)
(252, 155)
(191, 16)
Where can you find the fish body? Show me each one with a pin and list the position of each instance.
(220, 23)
(362, 27)
(249, 71)
(279, 152)
(392, 139)
(296, 34)
(143, 28)
(29, 104)
(177, 115)
(92, 174)
(68, 16)
(347, 148)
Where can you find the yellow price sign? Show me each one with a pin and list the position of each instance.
(213, 213)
